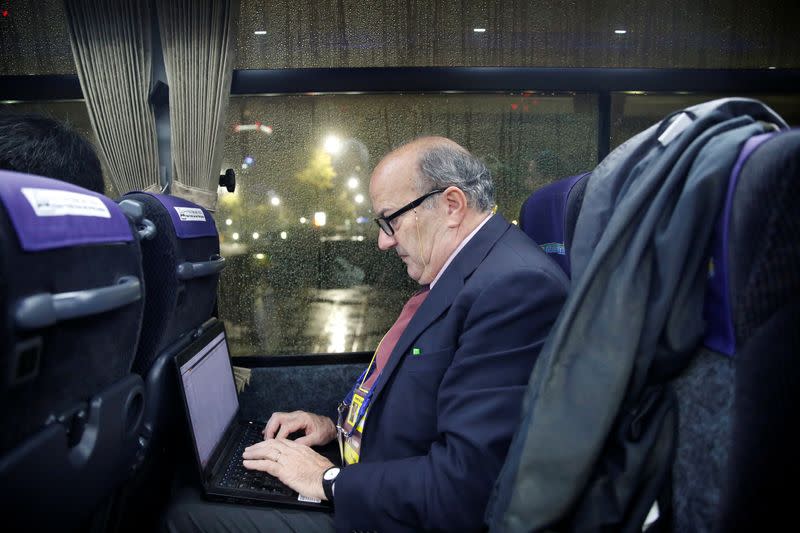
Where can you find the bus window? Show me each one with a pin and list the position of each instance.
(320, 92)
(632, 112)
(305, 274)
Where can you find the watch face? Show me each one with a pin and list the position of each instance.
(331, 473)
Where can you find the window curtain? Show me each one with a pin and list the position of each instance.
(112, 47)
(197, 37)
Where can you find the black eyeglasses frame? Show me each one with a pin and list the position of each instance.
(384, 221)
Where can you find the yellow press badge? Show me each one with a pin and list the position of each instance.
(352, 444)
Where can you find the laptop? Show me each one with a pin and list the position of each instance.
(220, 436)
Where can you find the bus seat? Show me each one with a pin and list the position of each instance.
(549, 214)
(737, 402)
(71, 296)
(181, 266)
(181, 262)
(729, 397)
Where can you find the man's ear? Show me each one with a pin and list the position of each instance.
(456, 203)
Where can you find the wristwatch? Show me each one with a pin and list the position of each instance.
(328, 479)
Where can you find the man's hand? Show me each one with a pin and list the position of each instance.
(297, 465)
(319, 430)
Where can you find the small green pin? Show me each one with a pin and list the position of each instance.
(416, 351)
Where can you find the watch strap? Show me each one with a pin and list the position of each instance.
(327, 484)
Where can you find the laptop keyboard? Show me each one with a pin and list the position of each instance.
(238, 477)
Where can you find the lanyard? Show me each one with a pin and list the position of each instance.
(361, 409)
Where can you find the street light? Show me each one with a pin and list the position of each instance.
(359, 198)
(332, 144)
(352, 182)
(275, 201)
(256, 235)
(320, 218)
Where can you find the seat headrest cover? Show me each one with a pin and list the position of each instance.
(717, 309)
(189, 219)
(48, 214)
(543, 218)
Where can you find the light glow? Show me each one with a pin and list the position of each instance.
(275, 201)
(235, 236)
(284, 235)
(228, 221)
(336, 329)
(320, 218)
(256, 235)
(333, 145)
(253, 127)
(479, 30)
(352, 183)
(359, 198)
(620, 32)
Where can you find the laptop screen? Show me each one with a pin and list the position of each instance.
(210, 395)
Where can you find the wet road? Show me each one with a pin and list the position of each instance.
(314, 321)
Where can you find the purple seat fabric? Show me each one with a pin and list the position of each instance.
(545, 213)
(181, 264)
(186, 235)
(717, 307)
(548, 217)
(735, 465)
(48, 214)
(71, 294)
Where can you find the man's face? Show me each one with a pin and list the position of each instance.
(415, 231)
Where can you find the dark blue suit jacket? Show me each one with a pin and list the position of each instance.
(441, 422)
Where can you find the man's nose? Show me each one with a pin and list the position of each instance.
(385, 242)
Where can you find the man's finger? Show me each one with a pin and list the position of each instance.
(287, 428)
(273, 424)
(256, 453)
(263, 465)
(305, 440)
(289, 443)
(258, 447)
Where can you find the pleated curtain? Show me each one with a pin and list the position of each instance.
(197, 37)
(112, 47)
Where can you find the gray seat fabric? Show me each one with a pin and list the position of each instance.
(595, 445)
(71, 299)
(735, 466)
(731, 396)
(181, 261)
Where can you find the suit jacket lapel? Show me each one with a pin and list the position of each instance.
(444, 292)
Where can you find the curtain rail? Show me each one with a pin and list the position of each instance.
(459, 79)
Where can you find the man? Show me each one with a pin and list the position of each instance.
(34, 144)
(429, 422)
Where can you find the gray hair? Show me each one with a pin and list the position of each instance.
(444, 166)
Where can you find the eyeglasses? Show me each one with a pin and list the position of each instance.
(384, 221)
